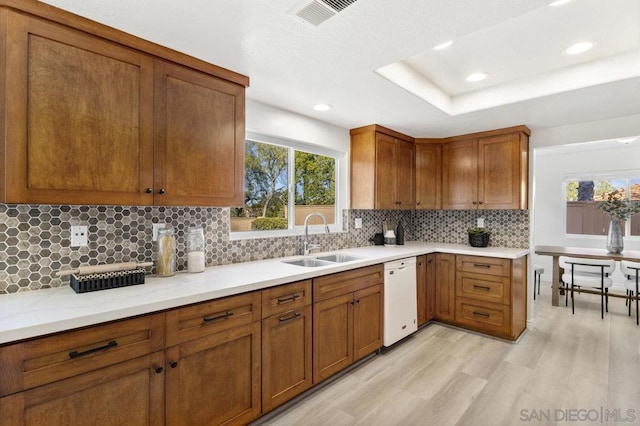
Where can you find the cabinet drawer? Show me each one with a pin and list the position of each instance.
(277, 300)
(207, 318)
(49, 359)
(486, 317)
(346, 282)
(484, 265)
(489, 288)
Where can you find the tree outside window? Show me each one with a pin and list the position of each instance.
(270, 170)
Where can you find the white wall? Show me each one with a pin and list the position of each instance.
(272, 121)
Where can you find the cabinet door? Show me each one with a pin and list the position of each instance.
(215, 379)
(431, 285)
(79, 129)
(332, 336)
(421, 281)
(386, 196)
(405, 176)
(499, 163)
(367, 321)
(445, 287)
(286, 356)
(428, 176)
(460, 175)
(128, 393)
(199, 135)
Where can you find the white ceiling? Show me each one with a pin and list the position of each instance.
(294, 65)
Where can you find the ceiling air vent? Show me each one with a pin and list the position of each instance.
(318, 11)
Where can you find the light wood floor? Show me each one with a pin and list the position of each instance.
(444, 376)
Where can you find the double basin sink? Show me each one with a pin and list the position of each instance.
(322, 260)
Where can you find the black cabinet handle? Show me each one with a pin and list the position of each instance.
(291, 298)
(481, 265)
(475, 203)
(418, 203)
(217, 317)
(481, 287)
(481, 314)
(357, 300)
(285, 319)
(76, 354)
(173, 364)
(148, 190)
(159, 370)
(480, 202)
(161, 191)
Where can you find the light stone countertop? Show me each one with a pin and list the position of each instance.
(36, 313)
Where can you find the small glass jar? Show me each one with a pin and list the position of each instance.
(195, 249)
(166, 260)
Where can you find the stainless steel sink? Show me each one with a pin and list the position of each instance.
(338, 258)
(308, 263)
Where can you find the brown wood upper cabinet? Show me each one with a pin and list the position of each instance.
(428, 176)
(199, 135)
(382, 169)
(88, 120)
(485, 172)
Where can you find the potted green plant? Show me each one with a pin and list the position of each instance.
(478, 237)
(619, 208)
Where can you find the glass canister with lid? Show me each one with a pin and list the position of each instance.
(195, 249)
(166, 260)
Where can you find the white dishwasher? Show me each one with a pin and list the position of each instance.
(400, 300)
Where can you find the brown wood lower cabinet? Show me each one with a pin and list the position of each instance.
(426, 291)
(445, 287)
(215, 379)
(347, 319)
(214, 362)
(286, 343)
(131, 393)
(490, 295)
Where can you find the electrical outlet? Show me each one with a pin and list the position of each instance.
(480, 222)
(358, 223)
(155, 228)
(79, 237)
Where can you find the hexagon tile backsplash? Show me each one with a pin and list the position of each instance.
(34, 239)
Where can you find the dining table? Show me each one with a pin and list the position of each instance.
(581, 252)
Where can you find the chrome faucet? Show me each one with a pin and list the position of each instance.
(307, 246)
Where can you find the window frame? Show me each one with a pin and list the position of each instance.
(292, 146)
(626, 175)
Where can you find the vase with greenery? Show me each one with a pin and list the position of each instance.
(478, 237)
(619, 208)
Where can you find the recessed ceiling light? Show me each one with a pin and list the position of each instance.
(322, 107)
(444, 45)
(477, 76)
(559, 2)
(627, 140)
(579, 48)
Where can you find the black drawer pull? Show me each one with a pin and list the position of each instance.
(482, 265)
(76, 354)
(218, 317)
(291, 298)
(481, 287)
(294, 316)
(481, 314)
